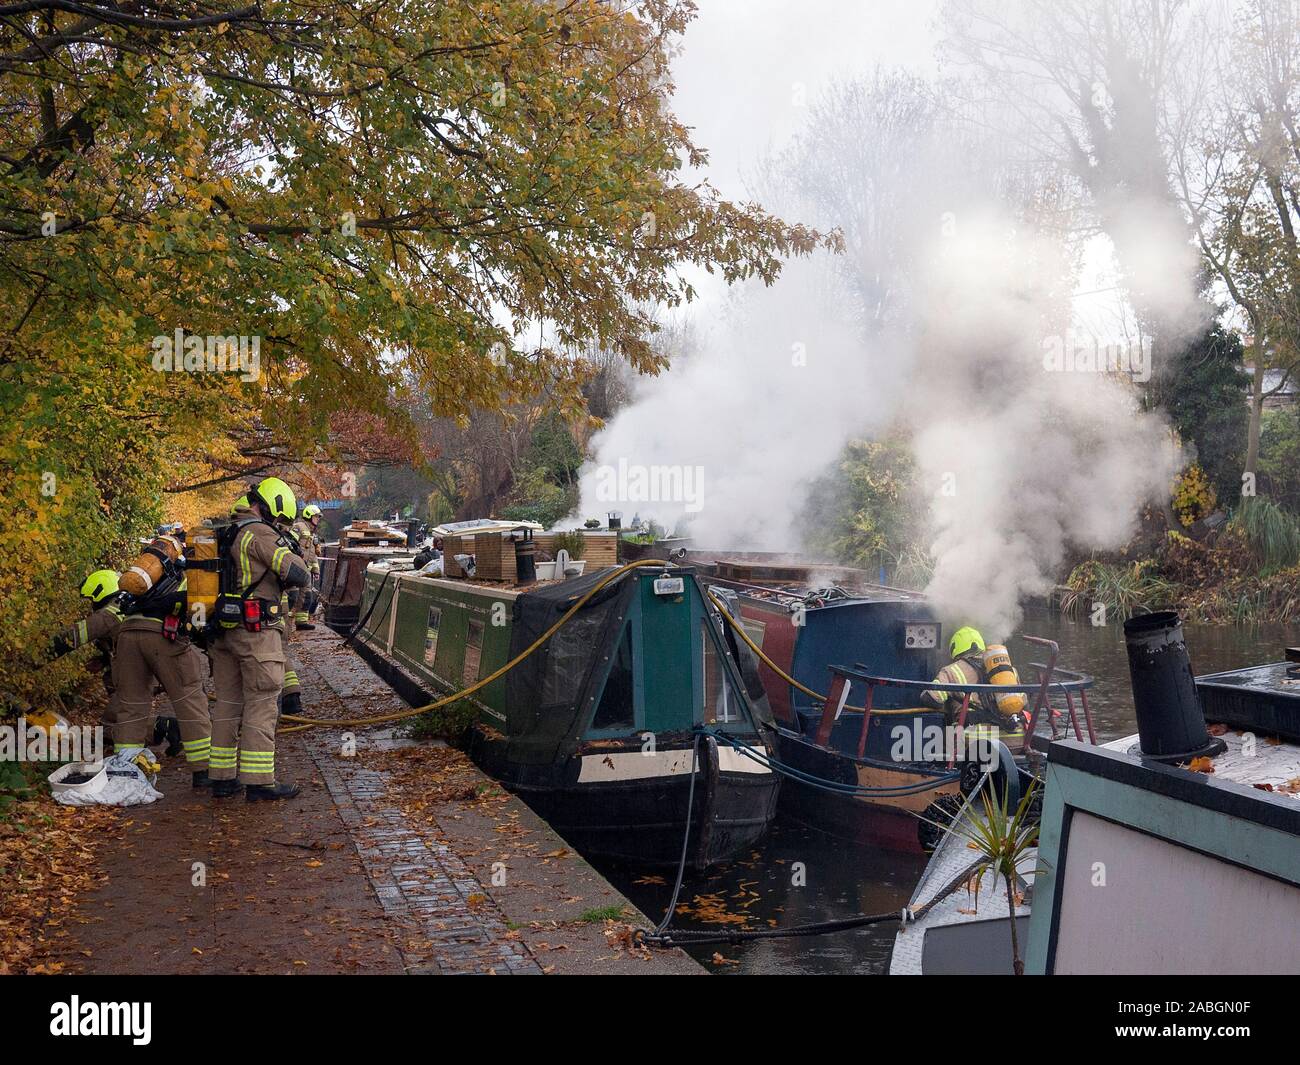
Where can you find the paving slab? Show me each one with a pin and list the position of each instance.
(490, 862)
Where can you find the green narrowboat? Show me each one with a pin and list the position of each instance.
(599, 729)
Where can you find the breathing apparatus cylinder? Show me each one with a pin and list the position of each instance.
(204, 580)
(148, 569)
(998, 668)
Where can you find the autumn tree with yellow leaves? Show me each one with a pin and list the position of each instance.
(392, 200)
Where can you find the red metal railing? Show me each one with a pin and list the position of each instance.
(1040, 690)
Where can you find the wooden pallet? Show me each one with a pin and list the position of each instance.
(494, 554)
(494, 557)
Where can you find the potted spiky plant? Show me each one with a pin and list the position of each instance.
(1003, 839)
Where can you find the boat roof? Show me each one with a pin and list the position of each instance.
(1263, 763)
(1267, 766)
(496, 589)
(809, 597)
(483, 525)
(1273, 678)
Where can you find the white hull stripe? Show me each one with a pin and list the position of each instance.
(636, 765)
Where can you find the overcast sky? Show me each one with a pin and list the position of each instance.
(745, 64)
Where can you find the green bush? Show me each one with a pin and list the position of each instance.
(536, 497)
(573, 542)
(1272, 534)
(448, 723)
(867, 511)
(1124, 589)
(1279, 457)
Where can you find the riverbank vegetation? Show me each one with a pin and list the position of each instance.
(1236, 567)
(1215, 156)
(1248, 571)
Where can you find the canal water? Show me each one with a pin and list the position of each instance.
(798, 875)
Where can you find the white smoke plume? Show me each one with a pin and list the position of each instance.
(775, 387)
(1023, 455)
(1023, 458)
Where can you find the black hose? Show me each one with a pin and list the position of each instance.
(698, 937)
(373, 603)
(686, 839)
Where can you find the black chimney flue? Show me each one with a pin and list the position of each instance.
(1171, 724)
(525, 556)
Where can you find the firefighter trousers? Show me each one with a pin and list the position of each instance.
(247, 672)
(292, 683)
(143, 656)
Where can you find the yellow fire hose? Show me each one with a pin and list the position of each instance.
(299, 723)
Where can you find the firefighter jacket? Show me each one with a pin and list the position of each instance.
(261, 564)
(306, 535)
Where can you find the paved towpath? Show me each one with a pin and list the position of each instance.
(398, 858)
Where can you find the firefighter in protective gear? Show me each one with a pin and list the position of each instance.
(982, 716)
(304, 531)
(291, 690)
(257, 565)
(153, 646)
(98, 628)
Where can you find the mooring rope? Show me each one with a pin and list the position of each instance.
(299, 722)
(905, 916)
(833, 786)
(686, 838)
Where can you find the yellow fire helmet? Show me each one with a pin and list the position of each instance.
(310, 511)
(278, 497)
(239, 504)
(99, 585)
(963, 640)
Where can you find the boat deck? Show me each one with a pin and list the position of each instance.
(973, 921)
(975, 914)
(1257, 761)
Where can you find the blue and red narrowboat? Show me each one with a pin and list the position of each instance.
(867, 761)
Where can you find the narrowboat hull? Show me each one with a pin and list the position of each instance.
(613, 780)
(902, 823)
(606, 807)
(804, 645)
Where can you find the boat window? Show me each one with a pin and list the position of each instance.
(473, 652)
(617, 707)
(721, 704)
(569, 656)
(431, 635)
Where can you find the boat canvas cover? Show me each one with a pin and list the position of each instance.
(549, 694)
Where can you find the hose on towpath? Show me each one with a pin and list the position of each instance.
(298, 723)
